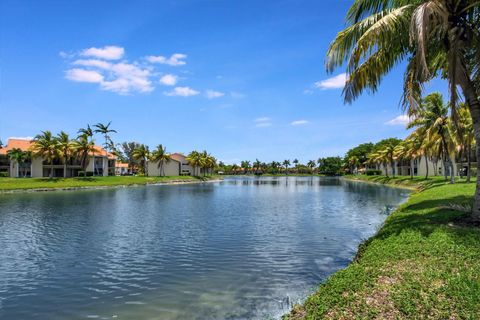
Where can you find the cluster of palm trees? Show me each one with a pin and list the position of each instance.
(434, 38)
(202, 161)
(274, 167)
(61, 147)
(439, 136)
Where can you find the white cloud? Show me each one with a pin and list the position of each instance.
(299, 122)
(169, 80)
(93, 63)
(107, 52)
(176, 59)
(337, 82)
(211, 94)
(307, 91)
(81, 75)
(262, 122)
(21, 138)
(400, 120)
(182, 92)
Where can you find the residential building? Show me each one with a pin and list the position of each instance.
(100, 163)
(170, 168)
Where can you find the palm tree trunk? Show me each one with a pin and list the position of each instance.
(411, 168)
(65, 167)
(426, 167)
(51, 169)
(469, 162)
(473, 103)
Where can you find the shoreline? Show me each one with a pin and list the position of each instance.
(388, 268)
(101, 187)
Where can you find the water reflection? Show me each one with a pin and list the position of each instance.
(242, 248)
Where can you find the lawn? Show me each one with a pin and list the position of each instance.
(423, 263)
(7, 184)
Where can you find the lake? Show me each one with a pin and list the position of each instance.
(242, 248)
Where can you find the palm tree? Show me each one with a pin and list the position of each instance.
(433, 119)
(105, 130)
(286, 163)
(83, 147)
(45, 145)
(88, 131)
(245, 165)
(464, 135)
(142, 154)
(194, 160)
(434, 36)
(257, 165)
(65, 148)
(20, 157)
(353, 162)
(311, 164)
(160, 154)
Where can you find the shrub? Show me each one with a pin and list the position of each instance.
(372, 172)
(4, 174)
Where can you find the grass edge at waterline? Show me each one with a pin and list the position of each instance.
(423, 262)
(44, 184)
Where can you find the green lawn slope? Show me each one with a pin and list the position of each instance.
(424, 263)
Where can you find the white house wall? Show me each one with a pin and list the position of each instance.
(171, 168)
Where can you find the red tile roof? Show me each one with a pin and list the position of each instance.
(25, 144)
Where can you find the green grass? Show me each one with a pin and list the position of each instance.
(8, 184)
(417, 183)
(424, 263)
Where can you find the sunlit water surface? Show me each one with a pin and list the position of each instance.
(244, 248)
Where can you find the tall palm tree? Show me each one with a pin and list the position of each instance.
(45, 145)
(82, 148)
(20, 157)
(88, 131)
(161, 156)
(65, 148)
(105, 131)
(433, 119)
(286, 164)
(434, 36)
(245, 165)
(257, 164)
(311, 164)
(194, 160)
(464, 135)
(142, 154)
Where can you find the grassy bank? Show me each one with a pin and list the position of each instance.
(8, 184)
(423, 263)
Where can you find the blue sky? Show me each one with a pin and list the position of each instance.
(241, 79)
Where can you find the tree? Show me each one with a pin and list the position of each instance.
(435, 37)
(20, 157)
(105, 131)
(127, 154)
(464, 135)
(257, 165)
(330, 165)
(286, 164)
(83, 147)
(434, 121)
(359, 154)
(311, 164)
(45, 145)
(142, 154)
(194, 160)
(160, 154)
(245, 165)
(65, 148)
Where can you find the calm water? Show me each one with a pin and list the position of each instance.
(237, 249)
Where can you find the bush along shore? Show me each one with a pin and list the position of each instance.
(423, 263)
(47, 184)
